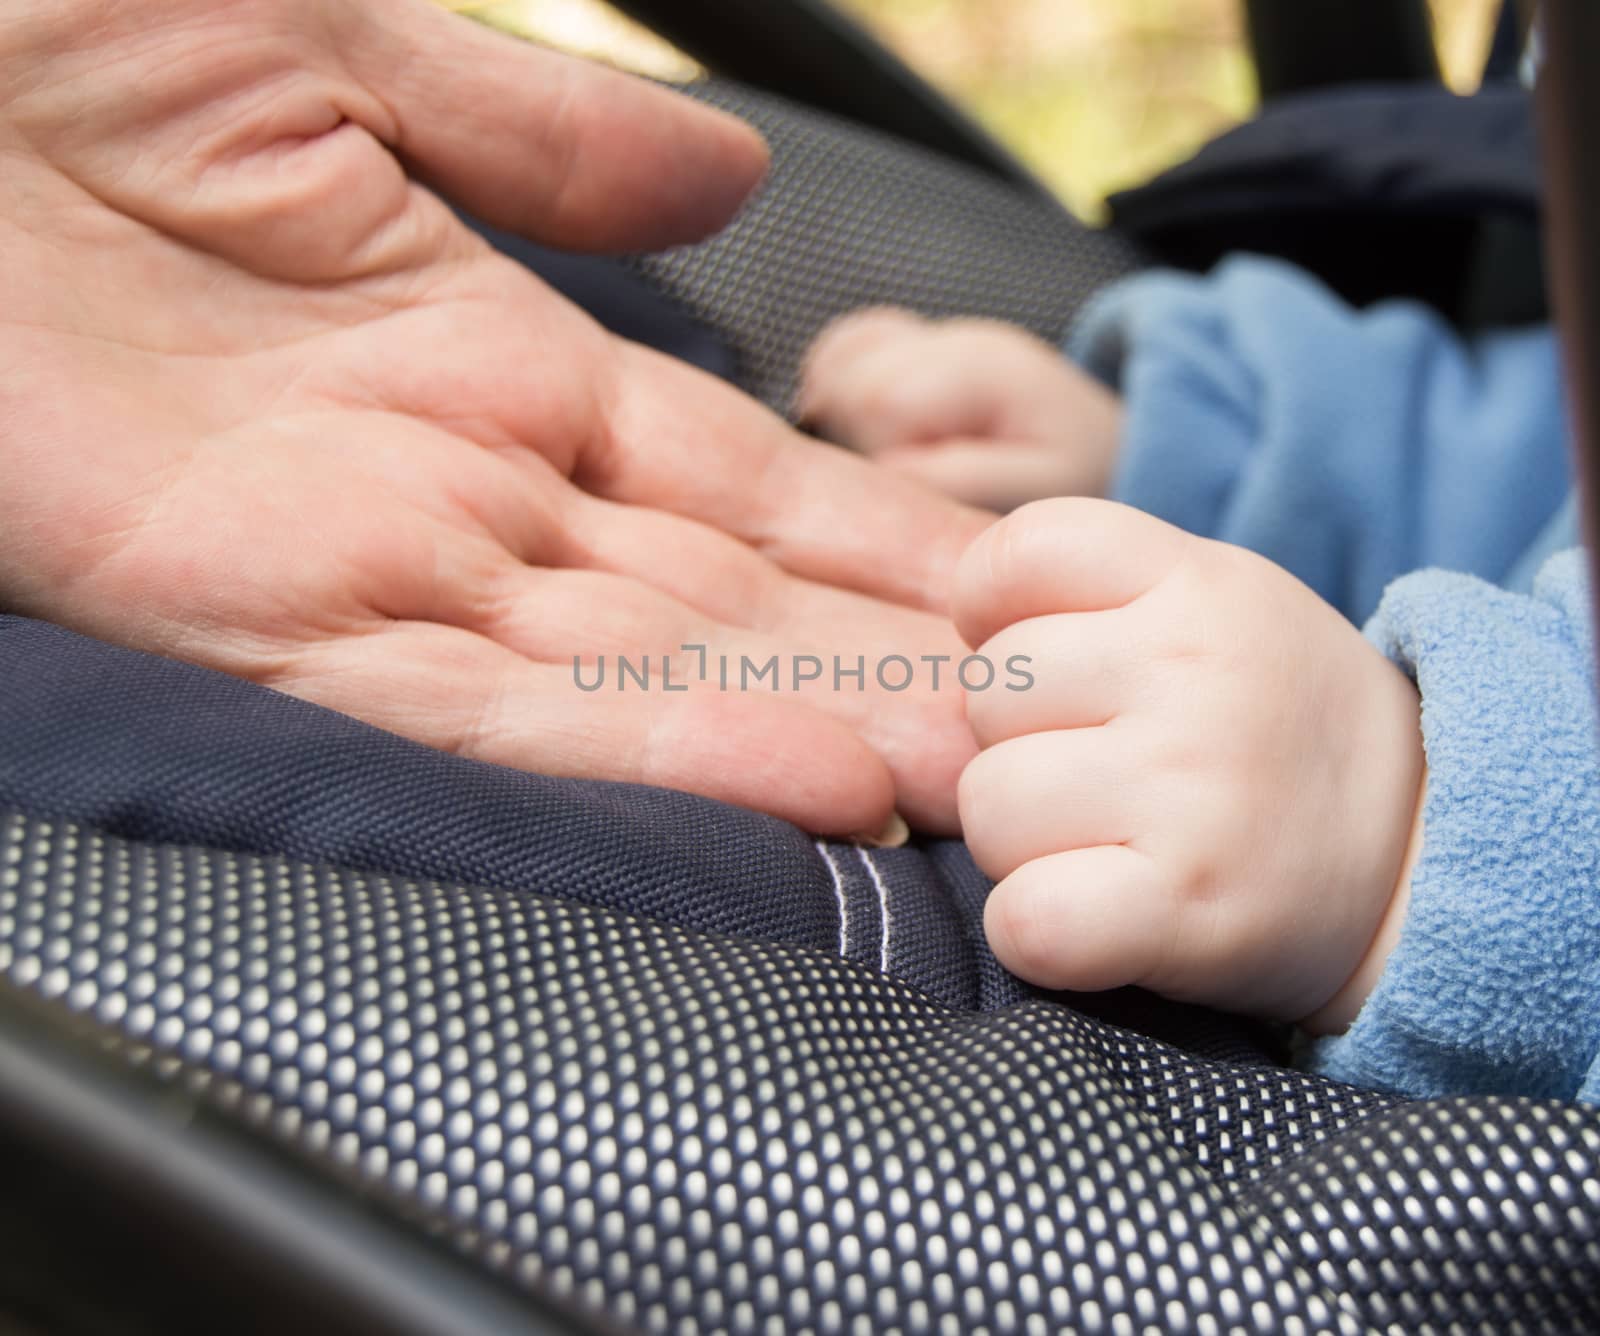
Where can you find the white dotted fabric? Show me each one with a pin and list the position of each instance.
(849, 217)
(695, 1134)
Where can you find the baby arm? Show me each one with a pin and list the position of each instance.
(1349, 446)
(1252, 405)
(981, 410)
(1493, 985)
(1212, 790)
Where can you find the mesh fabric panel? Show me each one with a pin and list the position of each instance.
(850, 218)
(696, 1133)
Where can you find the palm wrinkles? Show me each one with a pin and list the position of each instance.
(273, 410)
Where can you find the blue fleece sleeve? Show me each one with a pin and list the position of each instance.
(1494, 987)
(1348, 446)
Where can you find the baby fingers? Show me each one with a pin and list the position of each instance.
(1085, 920)
(1070, 671)
(1045, 793)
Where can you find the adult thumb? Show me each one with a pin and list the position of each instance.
(558, 149)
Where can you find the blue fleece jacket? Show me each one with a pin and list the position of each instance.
(1352, 448)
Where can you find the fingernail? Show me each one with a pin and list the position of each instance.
(895, 832)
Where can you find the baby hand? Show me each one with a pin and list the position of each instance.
(1209, 788)
(981, 410)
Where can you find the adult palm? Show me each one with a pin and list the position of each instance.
(269, 407)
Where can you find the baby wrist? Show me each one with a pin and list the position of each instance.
(1336, 1014)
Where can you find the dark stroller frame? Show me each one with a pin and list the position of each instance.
(191, 1209)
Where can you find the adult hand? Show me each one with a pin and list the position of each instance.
(270, 408)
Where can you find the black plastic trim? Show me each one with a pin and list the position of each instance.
(1569, 109)
(132, 1207)
(812, 53)
(1301, 44)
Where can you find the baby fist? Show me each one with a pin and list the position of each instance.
(978, 409)
(1208, 790)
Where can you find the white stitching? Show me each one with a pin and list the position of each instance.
(883, 905)
(838, 890)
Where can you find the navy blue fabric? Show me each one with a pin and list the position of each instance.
(1381, 191)
(151, 749)
(1402, 149)
(1505, 47)
(621, 301)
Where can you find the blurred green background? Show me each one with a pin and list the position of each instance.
(1094, 94)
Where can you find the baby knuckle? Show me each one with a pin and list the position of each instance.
(1197, 881)
(981, 802)
(972, 792)
(1021, 941)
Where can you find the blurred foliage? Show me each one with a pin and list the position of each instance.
(1093, 94)
(1101, 94)
(588, 28)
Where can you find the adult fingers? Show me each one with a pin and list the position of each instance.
(1068, 554)
(540, 143)
(595, 577)
(463, 693)
(819, 650)
(683, 441)
(1086, 920)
